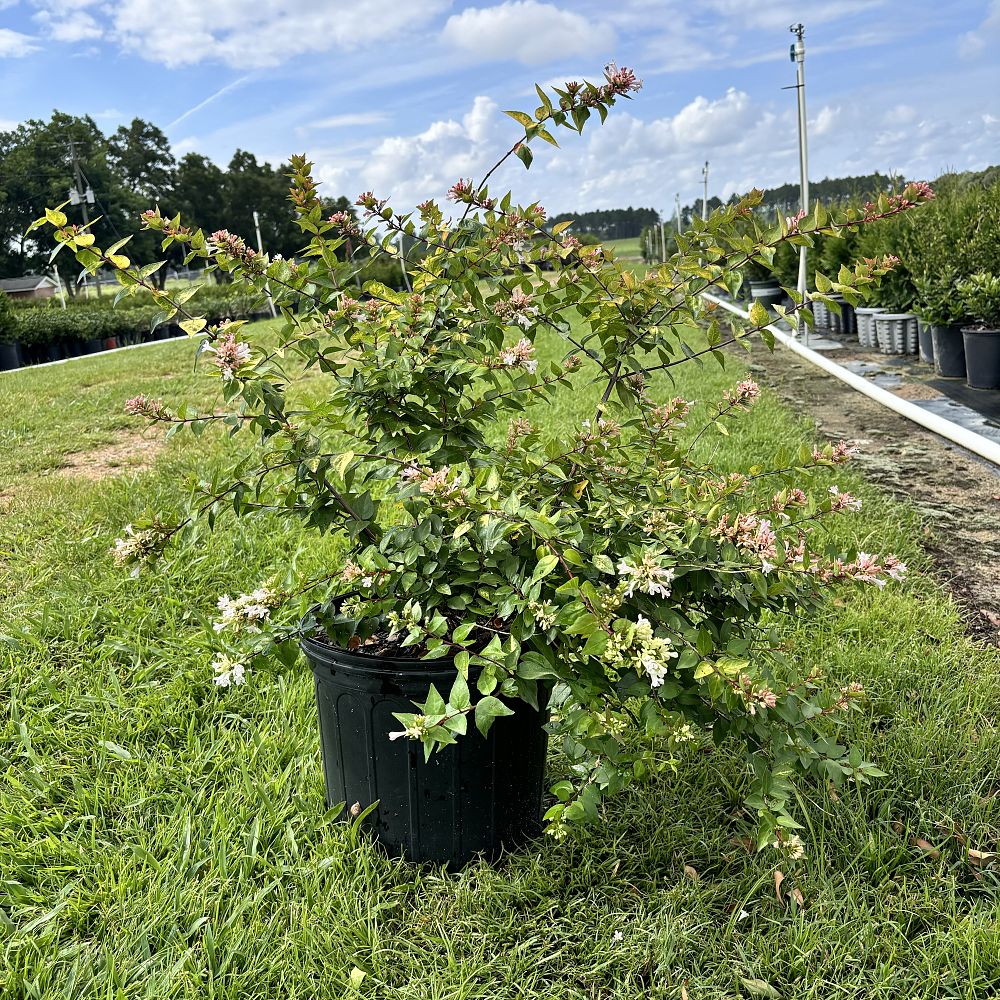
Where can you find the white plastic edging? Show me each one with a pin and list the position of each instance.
(970, 440)
(96, 354)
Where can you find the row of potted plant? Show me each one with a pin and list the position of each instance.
(33, 334)
(943, 298)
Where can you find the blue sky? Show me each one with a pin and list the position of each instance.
(405, 96)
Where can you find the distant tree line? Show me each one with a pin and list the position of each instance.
(129, 171)
(830, 191)
(611, 223)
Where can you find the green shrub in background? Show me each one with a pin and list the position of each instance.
(8, 323)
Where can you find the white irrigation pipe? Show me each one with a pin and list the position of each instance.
(970, 440)
(96, 354)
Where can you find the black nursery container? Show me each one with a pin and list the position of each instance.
(476, 797)
(10, 356)
(949, 351)
(982, 357)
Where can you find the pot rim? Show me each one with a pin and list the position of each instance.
(367, 663)
(989, 331)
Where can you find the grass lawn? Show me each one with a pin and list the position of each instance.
(162, 838)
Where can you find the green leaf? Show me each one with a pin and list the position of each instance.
(488, 709)
(521, 118)
(534, 667)
(192, 326)
(435, 703)
(524, 154)
(544, 566)
(603, 563)
(56, 217)
(459, 697)
(759, 315)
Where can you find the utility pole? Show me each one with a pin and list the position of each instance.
(704, 201)
(677, 211)
(663, 243)
(798, 56)
(260, 250)
(82, 197)
(402, 265)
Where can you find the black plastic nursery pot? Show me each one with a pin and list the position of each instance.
(925, 341)
(982, 357)
(477, 797)
(949, 351)
(10, 356)
(767, 292)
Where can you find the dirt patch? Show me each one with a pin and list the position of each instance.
(129, 454)
(917, 390)
(957, 493)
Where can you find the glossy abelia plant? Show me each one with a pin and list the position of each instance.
(604, 571)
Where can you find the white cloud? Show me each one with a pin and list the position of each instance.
(66, 22)
(264, 33)
(350, 120)
(985, 38)
(14, 44)
(825, 121)
(527, 31)
(412, 168)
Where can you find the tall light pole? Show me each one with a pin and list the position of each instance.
(798, 56)
(677, 211)
(83, 197)
(260, 250)
(704, 200)
(663, 242)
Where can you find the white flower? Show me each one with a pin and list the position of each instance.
(228, 671)
(766, 567)
(247, 611)
(791, 846)
(617, 936)
(648, 576)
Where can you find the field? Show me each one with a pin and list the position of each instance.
(162, 838)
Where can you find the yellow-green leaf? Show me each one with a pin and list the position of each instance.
(56, 217)
(119, 260)
(192, 326)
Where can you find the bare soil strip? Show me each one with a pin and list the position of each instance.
(958, 493)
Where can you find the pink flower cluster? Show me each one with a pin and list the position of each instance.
(230, 355)
(621, 81)
(143, 406)
(521, 355)
(437, 484)
(915, 193)
(751, 533)
(672, 413)
(843, 501)
(371, 204)
(744, 393)
(839, 454)
(461, 191)
(236, 247)
(755, 698)
(792, 221)
(517, 309)
(345, 222)
(866, 568)
(790, 498)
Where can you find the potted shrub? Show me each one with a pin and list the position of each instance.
(499, 571)
(10, 349)
(981, 299)
(764, 286)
